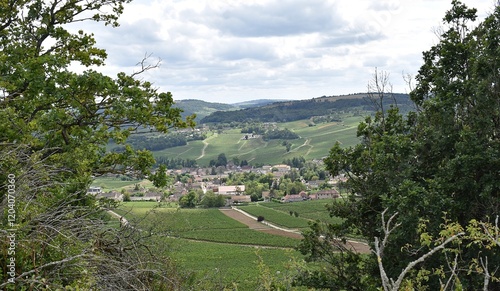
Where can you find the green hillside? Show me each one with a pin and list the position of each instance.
(202, 108)
(314, 142)
(244, 133)
(302, 109)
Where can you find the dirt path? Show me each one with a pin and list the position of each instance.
(203, 150)
(252, 223)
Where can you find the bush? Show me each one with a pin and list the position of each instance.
(260, 218)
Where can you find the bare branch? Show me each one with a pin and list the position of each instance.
(389, 283)
(145, 66)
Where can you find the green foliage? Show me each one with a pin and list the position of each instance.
(341, 268)
(221, 161)
(280, 134)
(442, 159)
(211, 200)
(55, 124)
(160, 178)
(176, 163)
(189, 200)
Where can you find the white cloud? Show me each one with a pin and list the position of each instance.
(232, 50)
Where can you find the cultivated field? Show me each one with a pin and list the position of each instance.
(295, 215)
(211, 244)
(202, 224)
(314, 143)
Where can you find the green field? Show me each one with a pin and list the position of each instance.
(234, 266)
(313, 209)
(314, 143)
(279, 213)
(276, 217)
(212, 245)
(199, 224)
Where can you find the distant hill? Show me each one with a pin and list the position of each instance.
(302, 109)
(201, 108)
(256, 103)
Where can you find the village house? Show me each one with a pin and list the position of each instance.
(113, 195)
(282, 168)
(148, 196)
(325, 194)
(294, 197)
(313, 184)
(94, 190)
(230, 190)
(98, 193)
(235, 199)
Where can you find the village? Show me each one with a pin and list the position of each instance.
(280, 183)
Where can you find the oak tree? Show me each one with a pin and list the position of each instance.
(55, 123)
(438, 165)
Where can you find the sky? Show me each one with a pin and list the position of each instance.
(231, 51)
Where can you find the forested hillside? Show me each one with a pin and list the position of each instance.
(201, 108)
(303, 109)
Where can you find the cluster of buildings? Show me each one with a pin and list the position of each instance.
(200, 179)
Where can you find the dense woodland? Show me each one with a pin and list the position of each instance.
(423, 187)
(158, 142)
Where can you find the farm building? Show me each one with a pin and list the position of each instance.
(230, 190)
(240, 198)
(294, 197)
(325, 194)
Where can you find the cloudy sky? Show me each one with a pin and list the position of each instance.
(233, 50)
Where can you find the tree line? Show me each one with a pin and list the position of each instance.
(158, 142)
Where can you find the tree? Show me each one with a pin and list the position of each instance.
(287, 145)
(438, 165)
(210, 200)
(221, 160)
(55, 124)
(189, 200)
(160, 178)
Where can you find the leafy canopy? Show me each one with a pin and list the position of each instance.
(436, 166)
(55, 123)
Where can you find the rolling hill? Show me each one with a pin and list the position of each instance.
(227, 128)
(287, 111)
(201, 108)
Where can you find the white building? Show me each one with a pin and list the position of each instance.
(231, 190)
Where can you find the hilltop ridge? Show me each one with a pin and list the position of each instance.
(286, 111)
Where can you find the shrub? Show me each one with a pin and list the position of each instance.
(260, 218)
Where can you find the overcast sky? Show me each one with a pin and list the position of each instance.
(233, 50)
